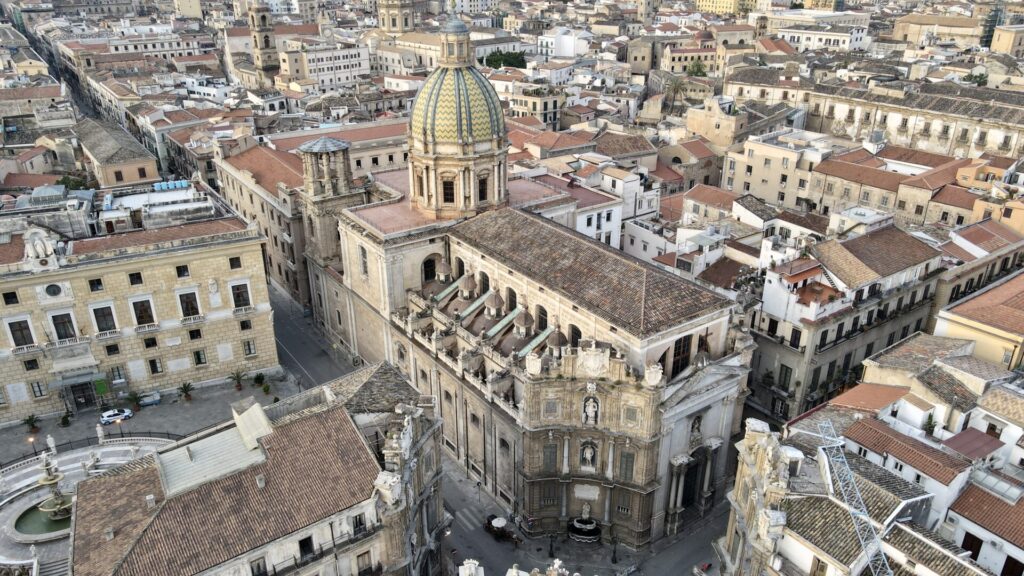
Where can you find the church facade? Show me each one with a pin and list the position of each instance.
(579, 386)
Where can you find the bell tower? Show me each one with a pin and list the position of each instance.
(327, 189)
(264, 45)
(396, 17)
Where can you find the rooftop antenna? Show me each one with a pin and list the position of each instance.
(869, 542)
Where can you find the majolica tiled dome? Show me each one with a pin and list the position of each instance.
(457, 105)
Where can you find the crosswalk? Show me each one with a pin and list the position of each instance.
(469, 520)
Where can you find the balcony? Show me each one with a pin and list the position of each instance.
(143, 328)
(327, 549)
(243, 310)
(196, 319)
(68, 342)
(108, 334)
(26, 349)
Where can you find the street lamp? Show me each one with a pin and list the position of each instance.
(615, 550)
(119, 428)
(32, 441)
(551, 546)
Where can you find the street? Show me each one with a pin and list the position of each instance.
(468, 540)
(300, 349)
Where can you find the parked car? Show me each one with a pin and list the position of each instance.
(111, 416)
(149, 399)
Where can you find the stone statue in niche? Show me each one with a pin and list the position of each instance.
(590, 408)
(588, 456)
(586, 511)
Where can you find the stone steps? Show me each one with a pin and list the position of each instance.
(53, 568)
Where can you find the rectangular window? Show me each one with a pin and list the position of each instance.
(135, 278)
(143, 310)
(258, 567)
(31, 364)
(39, 389)
(364, 266)
(625, 502)
(235, 262)
(96, 285)
(182, 270)
(142, 172)
(481, 187)
(149, 342)
(448, 192)
(240, 295)
(245, 325)
(155, 366)
(21, 333)
(10, 298)
(249, 347)
(113, 349)
(199, 357)
(550, 457)
(195, 334)
(118, 176)
(63, 326)
(626, 466)
(189, 302)
(104, 319)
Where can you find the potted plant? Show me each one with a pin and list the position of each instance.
(186, 391)
(237, 378)
(32, 421)
(65, 420)
(259, 379)
(266, 389)
(134, 399)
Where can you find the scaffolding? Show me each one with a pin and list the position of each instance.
(847, 485)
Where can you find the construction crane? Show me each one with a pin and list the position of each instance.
(862, 525)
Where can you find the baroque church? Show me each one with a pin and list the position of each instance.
(588, 392)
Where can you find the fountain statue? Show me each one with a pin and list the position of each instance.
(57, 506)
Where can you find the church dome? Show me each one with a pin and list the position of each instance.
(457, 105)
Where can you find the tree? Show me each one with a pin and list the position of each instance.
(979, 79)
(673, 89)
(696, 68)
(72, 183)
(500, 59)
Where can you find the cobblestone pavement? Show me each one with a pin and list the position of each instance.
(675, 555)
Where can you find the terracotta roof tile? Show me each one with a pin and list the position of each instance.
(269, 166)
(991, 512)
(156, 235)
(869, 397)
(953, 195)
(878, 437)
(712, 196)
(1000, 306)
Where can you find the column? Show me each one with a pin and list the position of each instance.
(565, 499)
(679, 492)
(565, 455)
(611, 458)
(608, 505)
(674, 471)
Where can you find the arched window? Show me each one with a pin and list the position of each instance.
(505, 448)
(266, 41)
(542, 319)
(474, 420)
(429, 270)
(574, 335)
(447, 397)
(263, 20)
(485, 283)
(510, 299)
(481, 188)
(460, 268)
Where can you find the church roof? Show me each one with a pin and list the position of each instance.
(324, 144)
(457, 105)
(631, 295)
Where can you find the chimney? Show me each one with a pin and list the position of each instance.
(108, 534)
(150, 501)
(261, 481)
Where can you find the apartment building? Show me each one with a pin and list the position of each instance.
(777, 167)
(919, 28)
(114, 157)
(143, 310)
(1009, 39)
(536, 101)
(331, 64)
(827, 37)
(990, 317)
(822, 314)
(386, 521)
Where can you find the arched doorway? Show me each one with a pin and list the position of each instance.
(693, 478)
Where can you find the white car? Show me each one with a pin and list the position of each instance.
(111, 416)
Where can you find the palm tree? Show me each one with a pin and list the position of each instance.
(134, 398)
(237, 378)
(186, 391)
(675, 87)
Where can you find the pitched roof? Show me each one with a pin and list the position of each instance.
(878, 437)
(313, 468)
(615, 145)
(937, 177)
(1000, 306)
(991, 512)
(990, 235)
(877, 254)
(1006, 402)
(810, 221)
(823, 523)
(712, 196)
(723, 273)
(928, 549)
(861, 174)
(956, 196)
(870, 397)
(109, 143)
(631, 295)
(269, 166)
(972, 443)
